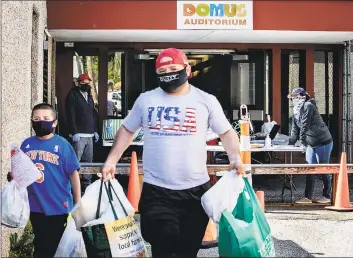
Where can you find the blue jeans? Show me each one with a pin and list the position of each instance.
(318, 155)
(84, 151)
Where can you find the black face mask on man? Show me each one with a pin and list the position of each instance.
(170, 82)
(85, 87)
(43, 128)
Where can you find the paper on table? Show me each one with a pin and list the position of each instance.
(23, 170)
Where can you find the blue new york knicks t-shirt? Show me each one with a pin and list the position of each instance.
(56, 159)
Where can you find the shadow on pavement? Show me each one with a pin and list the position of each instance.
(288, 248)
(289, 213)
(284, 248)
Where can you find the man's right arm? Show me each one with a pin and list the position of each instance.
(70, 113)
(123, 138)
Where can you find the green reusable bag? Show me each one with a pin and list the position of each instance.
(95, 237)
(245, 232)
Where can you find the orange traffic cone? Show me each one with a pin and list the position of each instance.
(210, 238)
(342, 193)
(261, 196)
(134, 190)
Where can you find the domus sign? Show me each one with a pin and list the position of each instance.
(215, 15)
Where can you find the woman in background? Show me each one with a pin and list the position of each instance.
(313, 134)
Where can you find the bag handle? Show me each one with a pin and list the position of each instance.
(121, 204)
(110, 201)
(109, 198)
(99, 200)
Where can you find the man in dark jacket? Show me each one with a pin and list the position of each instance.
(313, 134)
(81, 120)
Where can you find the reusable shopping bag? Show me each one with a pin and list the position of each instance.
(119, 238)
(84, 211)
(245, 232)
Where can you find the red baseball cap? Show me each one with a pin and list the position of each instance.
(171, 56)
(83, 77)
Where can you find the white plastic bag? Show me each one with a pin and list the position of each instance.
(85, 210)
(71, 243)
(14, 205)
(223, 195)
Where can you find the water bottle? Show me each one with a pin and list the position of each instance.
(268, 141)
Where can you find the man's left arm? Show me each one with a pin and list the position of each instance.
(221, 126)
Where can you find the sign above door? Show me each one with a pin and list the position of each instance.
(215, 15)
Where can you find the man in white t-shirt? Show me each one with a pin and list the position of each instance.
(175, 118)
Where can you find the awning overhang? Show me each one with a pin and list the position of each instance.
(203, 36)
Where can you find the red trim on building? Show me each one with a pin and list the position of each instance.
(162, 15)
(109, 15)
(303, 15)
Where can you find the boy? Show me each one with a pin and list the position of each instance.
(50, 196)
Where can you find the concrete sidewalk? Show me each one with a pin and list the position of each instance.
(307, 232)
(304, 231)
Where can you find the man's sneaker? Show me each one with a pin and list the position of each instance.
(323, 200)
(304, 201)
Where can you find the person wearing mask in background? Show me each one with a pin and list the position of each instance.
(110, 85)
(112, 109)
(175, 118)
(81, 121)
(268, 125)
(309, 128)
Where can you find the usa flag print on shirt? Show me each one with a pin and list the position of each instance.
(172, 121)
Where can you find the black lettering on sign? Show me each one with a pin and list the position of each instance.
(123, 227)
(128, 235)
(124, 246)
(136, 241)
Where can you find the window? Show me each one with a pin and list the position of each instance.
(114, 85)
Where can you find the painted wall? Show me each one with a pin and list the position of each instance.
(268, 15)
(22, 79)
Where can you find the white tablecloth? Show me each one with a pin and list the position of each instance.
(276, 148)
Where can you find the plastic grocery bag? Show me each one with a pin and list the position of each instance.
(14, 205)
(71, 243)
(245, 232)
(85, 210)
(223, 195)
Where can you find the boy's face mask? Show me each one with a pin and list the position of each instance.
(43, 128)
